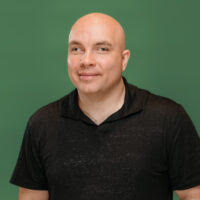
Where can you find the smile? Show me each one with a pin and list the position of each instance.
(88, 76)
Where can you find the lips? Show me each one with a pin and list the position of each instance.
(88, 74)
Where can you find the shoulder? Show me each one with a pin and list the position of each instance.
(165, 113)
(48, 113)
(159, 105)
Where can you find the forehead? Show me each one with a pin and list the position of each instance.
(93, 33)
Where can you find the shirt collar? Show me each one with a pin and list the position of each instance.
(134, 102)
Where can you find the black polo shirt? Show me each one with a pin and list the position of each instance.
(145, 150)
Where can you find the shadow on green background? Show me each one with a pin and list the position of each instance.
(163, 37)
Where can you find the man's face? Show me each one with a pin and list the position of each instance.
(94, 57)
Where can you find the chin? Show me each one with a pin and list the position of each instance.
(88, 90)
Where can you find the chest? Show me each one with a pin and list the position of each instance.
(107, 155)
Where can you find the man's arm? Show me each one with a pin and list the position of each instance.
(27, 194)
(189, 194)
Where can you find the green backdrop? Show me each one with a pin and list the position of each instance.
(163, 36)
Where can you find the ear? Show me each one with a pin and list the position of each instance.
(125, 58)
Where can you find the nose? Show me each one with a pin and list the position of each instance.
(87, 59)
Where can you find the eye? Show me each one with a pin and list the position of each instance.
(103, 49)
(75, 49)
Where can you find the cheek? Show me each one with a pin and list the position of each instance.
(110, 63)
(72, 62)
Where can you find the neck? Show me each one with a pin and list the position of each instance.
(93, 105)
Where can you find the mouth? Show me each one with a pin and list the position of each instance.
(88, 76)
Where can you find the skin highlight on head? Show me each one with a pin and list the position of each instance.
(107, 20)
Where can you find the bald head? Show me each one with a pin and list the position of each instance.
(96, 54)
(100, 21)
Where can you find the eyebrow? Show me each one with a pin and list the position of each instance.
(74, 42)
(104, 42)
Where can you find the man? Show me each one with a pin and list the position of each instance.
(107, 139)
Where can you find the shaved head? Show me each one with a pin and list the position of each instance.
(101, 20)
(96, 54)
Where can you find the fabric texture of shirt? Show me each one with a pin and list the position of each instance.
(145, 150)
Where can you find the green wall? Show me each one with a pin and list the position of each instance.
(163, 36)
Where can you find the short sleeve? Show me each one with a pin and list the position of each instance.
(183, 152)
(29, 171)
